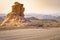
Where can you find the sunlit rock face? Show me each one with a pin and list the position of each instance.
(16, 16)
(18, 9)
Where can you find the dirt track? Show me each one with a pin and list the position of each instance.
(31, 34)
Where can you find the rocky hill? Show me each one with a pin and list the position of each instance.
(16, 17)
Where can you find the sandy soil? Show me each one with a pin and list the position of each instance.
(31, 34)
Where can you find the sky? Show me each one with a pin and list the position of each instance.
(32, 6)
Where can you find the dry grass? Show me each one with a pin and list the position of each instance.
(34, 24)
(45, 24)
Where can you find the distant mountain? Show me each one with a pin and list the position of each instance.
(58, 18)
(45, 20)
(49, 17)
(40, 16)
(48, 20)
(32, 18)
(2, 17)
(36, 17)
(1, 14)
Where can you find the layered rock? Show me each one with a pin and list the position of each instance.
(18, 9)
(16, 16)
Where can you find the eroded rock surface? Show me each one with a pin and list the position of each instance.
(16, 16)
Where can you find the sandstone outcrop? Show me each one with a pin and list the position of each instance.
(16, 16)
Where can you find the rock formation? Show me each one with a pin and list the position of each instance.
(18, 9)
(16, 16)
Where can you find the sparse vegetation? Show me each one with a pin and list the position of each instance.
(34, 24)
(39, 23)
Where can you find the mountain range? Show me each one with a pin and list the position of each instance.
(36, 17)
(40, 16)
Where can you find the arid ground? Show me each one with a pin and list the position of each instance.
(31, 34)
